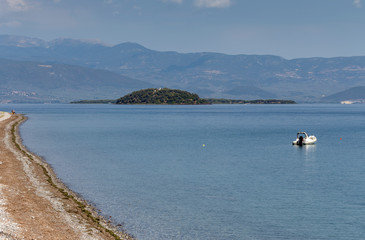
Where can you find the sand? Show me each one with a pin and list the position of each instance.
(34, 204)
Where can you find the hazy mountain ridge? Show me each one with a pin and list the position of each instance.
(352, 94)
(39, 82)
(207, 74)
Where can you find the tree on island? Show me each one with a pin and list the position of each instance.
(161, 96)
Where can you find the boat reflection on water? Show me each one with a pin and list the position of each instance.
(307, 151)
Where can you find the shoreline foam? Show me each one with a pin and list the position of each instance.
(56, 202)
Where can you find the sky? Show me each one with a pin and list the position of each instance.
(286, 28)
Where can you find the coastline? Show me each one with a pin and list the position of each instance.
(34, 203)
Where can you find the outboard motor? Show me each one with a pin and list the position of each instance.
(300, 141)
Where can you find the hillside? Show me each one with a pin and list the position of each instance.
(32, 82)
(161, 96)
(355, 93)
(212, 75)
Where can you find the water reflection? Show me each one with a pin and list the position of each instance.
(307, 151)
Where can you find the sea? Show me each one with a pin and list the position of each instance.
(210, 171)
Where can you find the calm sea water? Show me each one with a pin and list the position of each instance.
(210, 172)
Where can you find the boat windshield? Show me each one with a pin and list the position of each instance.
(302, 133)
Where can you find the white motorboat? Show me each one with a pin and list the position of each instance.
(304, 139)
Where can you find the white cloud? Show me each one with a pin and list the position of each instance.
(213, 3)
(15, 5)
(357, 3)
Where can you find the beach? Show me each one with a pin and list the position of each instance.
(34, 203)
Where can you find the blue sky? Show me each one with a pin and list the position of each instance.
(287, 28)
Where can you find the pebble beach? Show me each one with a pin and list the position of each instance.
(34, 203)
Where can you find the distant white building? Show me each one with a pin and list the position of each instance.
(357, 101)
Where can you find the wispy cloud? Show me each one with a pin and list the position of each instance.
(14, 5)
(213, 3)
(173, 1)
(204, 3)
(357, 3)
(10, 24)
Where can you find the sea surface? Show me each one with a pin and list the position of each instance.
(211, 171)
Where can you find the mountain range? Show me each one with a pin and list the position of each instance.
(67, 69)
(35, 82)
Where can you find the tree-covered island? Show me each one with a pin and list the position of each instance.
(161, 96)
(176, 97)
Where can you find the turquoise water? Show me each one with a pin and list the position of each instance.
(210, 172)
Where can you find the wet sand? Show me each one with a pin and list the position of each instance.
(34, 204)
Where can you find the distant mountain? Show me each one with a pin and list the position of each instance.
(253, 92)
(211, 75)
(21, 41)
(352, 94)
(35, 82)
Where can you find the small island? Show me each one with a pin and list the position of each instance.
(166, 96)
(161, 96)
